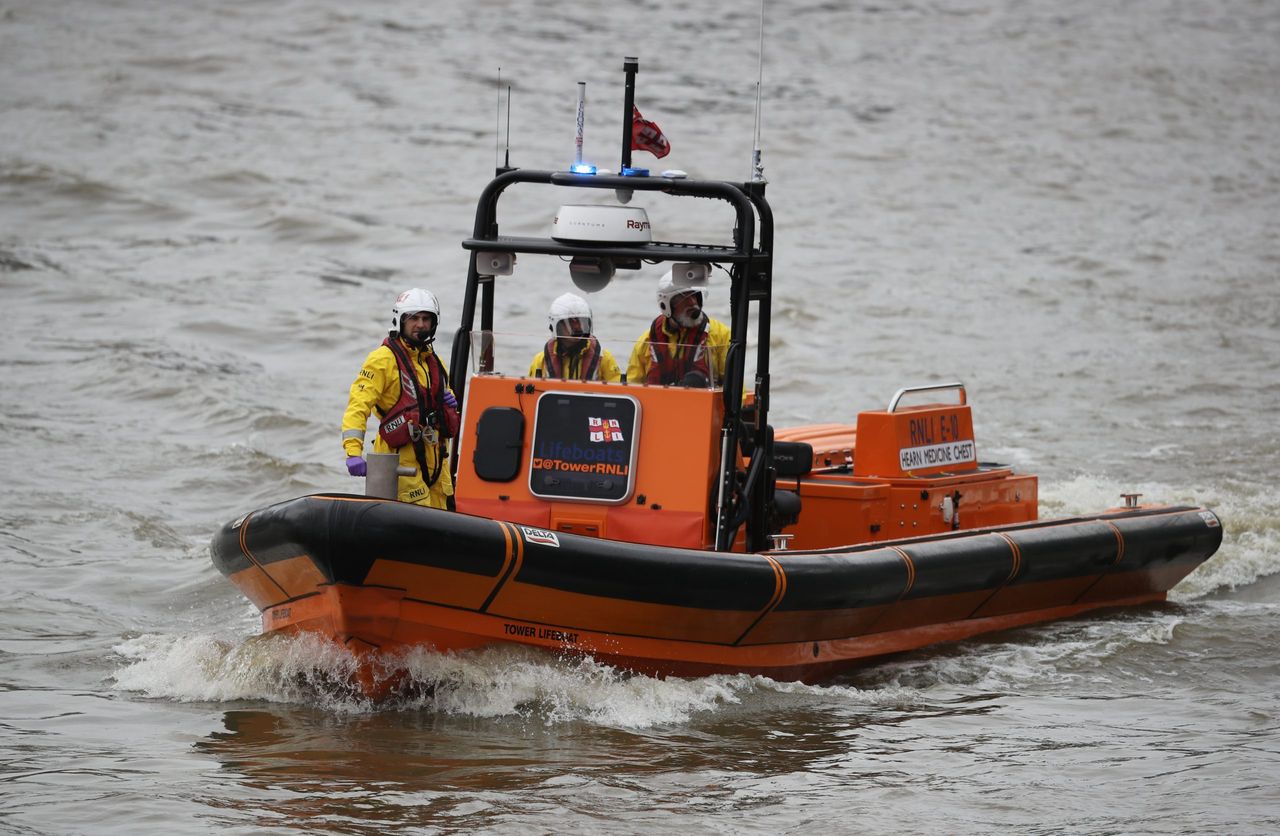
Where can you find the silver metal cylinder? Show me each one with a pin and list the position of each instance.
(382, 478)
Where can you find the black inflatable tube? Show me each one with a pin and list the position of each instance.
(345, 535)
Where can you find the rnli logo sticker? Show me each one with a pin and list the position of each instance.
(542, 538)
(604, 429)
(1210, 518)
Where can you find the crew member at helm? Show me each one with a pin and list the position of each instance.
(683, 345)
(405, 383)
(573, 353)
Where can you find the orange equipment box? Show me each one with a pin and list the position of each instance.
(916, 441)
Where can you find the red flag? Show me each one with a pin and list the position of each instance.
(646, 136)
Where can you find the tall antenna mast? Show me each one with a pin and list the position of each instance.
(505, 165)
(757, 168)
(630, 66)
(581, 124)
(497, 121)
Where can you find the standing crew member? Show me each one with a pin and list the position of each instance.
(573, 353)
(405, 383)
(683, 345)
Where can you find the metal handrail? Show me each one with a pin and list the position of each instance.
(933, 387)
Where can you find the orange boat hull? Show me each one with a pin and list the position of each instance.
(671, 612)
(377, 624)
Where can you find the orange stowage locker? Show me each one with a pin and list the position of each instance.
(915, 441)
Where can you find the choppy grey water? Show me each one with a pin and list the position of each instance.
(206, 208)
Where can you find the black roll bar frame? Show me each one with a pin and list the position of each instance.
(748, 495)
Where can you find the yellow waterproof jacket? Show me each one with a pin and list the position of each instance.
(718, 338)
(375, 391)
(606, 370)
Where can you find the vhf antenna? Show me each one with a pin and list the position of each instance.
(497, 128)
(757, 168)
(506, 159)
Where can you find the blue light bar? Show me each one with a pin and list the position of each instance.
(583, 168)
(635, 172)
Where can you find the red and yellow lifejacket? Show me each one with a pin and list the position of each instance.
(587, 361)
(403, 423)
(690, 353)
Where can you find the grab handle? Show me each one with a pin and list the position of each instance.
(933, 387)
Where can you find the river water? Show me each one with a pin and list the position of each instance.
(206, 209)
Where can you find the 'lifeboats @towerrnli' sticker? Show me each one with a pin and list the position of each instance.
(1210, 518)
(936, 455)
(542, 538)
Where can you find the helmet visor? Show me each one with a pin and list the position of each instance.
(574, 326)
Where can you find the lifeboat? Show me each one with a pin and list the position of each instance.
(581, 529)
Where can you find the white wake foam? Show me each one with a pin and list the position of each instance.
(1061, 655)
(495, 682)
(204, 668)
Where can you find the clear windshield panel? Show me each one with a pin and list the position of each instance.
(603, 357)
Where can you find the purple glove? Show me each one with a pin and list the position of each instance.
(449, 400)
(356, 466)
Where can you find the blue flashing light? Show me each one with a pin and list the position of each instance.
(635, 172)
(583, 168)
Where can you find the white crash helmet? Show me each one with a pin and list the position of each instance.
(413, 301)
(667, 293)
(569, 306)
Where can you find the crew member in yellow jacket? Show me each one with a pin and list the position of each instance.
(404, 383)
(573, 353)
(683, 345)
